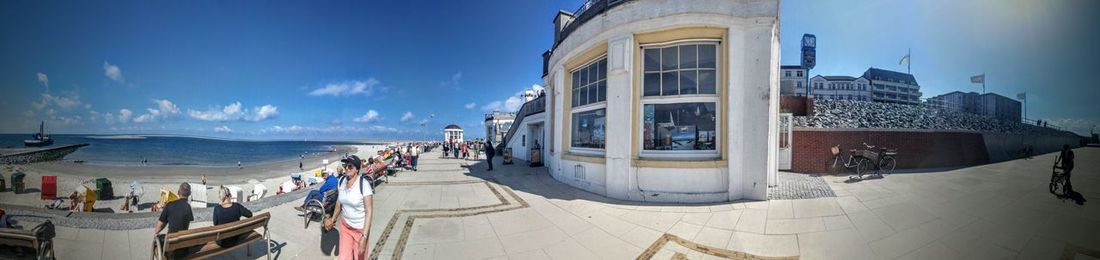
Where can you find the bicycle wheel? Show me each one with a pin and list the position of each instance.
(887, 165)
(864, 166)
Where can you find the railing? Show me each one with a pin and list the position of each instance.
(589, 9)
(535, 106)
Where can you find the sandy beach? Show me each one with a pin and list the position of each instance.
(156, 177)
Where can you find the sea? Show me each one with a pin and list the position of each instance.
(127, 150)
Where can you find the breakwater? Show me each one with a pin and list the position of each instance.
(24, 156)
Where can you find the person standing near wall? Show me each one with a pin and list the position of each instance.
(490, 151)
(1067, 165)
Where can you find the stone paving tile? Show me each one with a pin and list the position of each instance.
(529, 255)
(901, 243)
(936, 250)
(724, 220)
(763, 245)
(780, 209)
(469, 249)
(713, 237)
(606, 246)
(870, 226)
(794, 226)
(641, 237)
(751, 220)
(819, 207)
(569, 250)
(836, 244)
(684, 229)
(903, 215)
(790, 186)
(533, 240)
(837, 222)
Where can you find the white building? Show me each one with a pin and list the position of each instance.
(988, 104)
(663, 100)
(892, 86)
(452, 133)
(840, 88)
(497, 124)
(792, 80)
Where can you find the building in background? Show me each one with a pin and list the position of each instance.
(892, 86)
(988, 104)
(840, 88)
(792, 80)
(497, 124)
(452, 133)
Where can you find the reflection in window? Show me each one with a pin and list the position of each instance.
(679, 70)
(681, 126)
(588, 129)
(590, 83)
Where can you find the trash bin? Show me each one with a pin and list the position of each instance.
(536, 157)
(507, 156)
(103, 185)
(49, 187)
(17, 184)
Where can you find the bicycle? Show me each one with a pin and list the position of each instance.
(1058, 179)
(883, 161)
(852, 163)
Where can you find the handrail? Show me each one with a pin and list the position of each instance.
(535, 106)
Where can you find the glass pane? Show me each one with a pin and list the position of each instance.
(602, 70)
(576, 97)
(651, 85)
(592, 76)
(601, 91)
(668, 84)
(652, 59)
(681, 126)
(668, 58)
(588, 129)
(584, 77)
(707, 56)
(591, 94)
(576, 79)
(707, 82)
(687, 56)
(687, 82)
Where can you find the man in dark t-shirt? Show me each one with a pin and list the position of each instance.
(177, 216)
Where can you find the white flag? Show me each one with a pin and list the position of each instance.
(904, 60)
(978, 78)
(1021, 96)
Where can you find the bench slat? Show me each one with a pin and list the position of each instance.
(212, 249)
(204, 235)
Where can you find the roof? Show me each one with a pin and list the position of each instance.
(839, 78)
(889, 75)
(789, 67)
(452, 126)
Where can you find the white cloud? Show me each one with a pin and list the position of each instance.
(297, 129)
(512, 104)
(493, 106)
(124, 115)
(455, 82)
(165, 110)
(69, 100)
(347, 88)
(370, 117)
(223, 129)
(406, 117)
(471, 105)
(1077, 125)
(108, 118)
(423, 122)
(44, 80)
(233, 112)
(112, 72)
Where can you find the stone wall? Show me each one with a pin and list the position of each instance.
(49, 154)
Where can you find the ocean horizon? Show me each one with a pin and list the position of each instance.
(176, 150)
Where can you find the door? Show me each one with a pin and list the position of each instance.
(785, 141)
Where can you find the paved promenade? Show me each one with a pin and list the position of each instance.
(454, 209)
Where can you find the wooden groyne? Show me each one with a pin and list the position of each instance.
(39, 155)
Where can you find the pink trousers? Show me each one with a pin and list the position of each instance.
(349, 242)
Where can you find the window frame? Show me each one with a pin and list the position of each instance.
(586, 108)
(716, 98)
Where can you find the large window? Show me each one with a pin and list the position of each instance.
(589, 107)
(680, 101)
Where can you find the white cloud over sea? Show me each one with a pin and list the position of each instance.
(235, 112)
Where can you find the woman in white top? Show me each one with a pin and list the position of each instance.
(354, 208)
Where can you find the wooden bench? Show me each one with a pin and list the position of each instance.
(26, 238)
(207, 237)
(322, 208)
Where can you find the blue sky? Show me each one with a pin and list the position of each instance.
(382, 69)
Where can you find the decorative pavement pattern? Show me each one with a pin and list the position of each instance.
(454, 209)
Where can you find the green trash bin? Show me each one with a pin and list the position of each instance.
(17, 184)
(103, 185)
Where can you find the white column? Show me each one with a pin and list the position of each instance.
(736, 110)
(620, 124)
(558, 76)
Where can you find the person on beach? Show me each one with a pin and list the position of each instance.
(354, 208)
(239, 165)
(489, 153)
(177, 216)
(330, 184)
(204, 179)
(227, 212)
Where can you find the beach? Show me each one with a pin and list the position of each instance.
(153, 178)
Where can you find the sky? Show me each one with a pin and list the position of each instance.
(383, 70)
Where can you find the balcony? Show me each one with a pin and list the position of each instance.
(589, 9)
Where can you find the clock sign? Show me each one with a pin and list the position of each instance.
(809, 51)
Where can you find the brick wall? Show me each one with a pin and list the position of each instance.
(799, 106)
(916, 149)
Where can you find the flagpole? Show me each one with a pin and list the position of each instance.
(983, 82)
(909, 62)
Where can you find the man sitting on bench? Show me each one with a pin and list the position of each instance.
(177, 215)
(330, 184)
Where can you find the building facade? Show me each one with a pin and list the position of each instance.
(453, 133)
(988, 104)
(840, 88)
(792, 80)
(660, 100)
(892, 86)
(497, 124)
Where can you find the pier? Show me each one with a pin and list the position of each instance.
(32, 155)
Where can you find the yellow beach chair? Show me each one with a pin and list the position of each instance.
(90, 197)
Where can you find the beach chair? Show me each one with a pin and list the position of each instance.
(236, 193)
(87, 197)
(320, 209)
(165, 198)
(258, 191)
(198, 195)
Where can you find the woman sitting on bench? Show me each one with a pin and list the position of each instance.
(227, 212)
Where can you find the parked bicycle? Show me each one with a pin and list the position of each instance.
(862, 162)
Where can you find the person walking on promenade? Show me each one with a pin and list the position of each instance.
(227, 212)
(177, 216)
(415, 155)
(354, 208)
(457, 149)
(489, 153)
(465, 151)
(445, 150)
(477, 149)
(1067, 165)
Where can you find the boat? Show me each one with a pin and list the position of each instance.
(40, 138)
